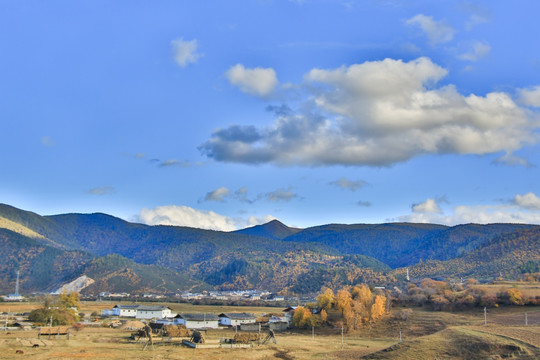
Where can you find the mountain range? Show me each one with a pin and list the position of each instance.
(121, 256)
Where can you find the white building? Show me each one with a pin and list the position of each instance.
(235, 319)
(198, 321)
(122, 310)
(154, 312)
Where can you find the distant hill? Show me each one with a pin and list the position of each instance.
(123, 256)
(273, 230)
(504, 254)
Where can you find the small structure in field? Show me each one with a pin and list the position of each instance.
(56, 331)
(23, 325)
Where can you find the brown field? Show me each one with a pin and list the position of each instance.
(425, 334)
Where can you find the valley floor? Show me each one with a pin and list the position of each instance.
(425, 335)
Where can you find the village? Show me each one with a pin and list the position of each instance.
(163, 315)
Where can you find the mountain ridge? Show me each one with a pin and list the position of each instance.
(135, 257)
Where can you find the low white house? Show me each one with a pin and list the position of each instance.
(198, 321)
(235, 319)
(154, 312)
(122, 310)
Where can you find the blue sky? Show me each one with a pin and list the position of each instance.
(223, 115)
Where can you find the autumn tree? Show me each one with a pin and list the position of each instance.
(325, 300)
(61, 310)
(324, 316)
(378, 308)
(343, 300)
(301, 317)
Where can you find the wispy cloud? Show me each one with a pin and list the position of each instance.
(363, 203)
(347, 184)
(174, 163)
(47, 141)
(103, 190)
(436, 31)
(479, 49)
(285, 195)
(218, 195)
(185, 52)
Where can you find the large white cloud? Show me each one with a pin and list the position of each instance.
(185, 52)
(187, 216)
(257, 81)
(379, 113)
(436, 31)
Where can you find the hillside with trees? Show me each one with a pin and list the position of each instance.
(123, 256)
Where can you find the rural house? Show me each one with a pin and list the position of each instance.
(122, 310)
(198, 321)
(154, 312)
(235, 319)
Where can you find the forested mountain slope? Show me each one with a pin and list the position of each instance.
(53, 249)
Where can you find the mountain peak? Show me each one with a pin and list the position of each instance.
(274, 229)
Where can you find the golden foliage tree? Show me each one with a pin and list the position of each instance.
(302, 317)
(343, 300)
(325, 300)
(378, 308)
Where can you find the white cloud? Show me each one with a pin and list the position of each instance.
(521, 209)
(256, 81)
(379, 113)
(436, 31)
(528, 201)
(189, 217)
(479, 50)
(530, 96)
(217, 195)
(185, 52)
(428, 206)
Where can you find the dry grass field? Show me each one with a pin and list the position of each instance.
(528, 289)
(425, 334)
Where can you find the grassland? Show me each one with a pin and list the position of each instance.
(425, 335)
